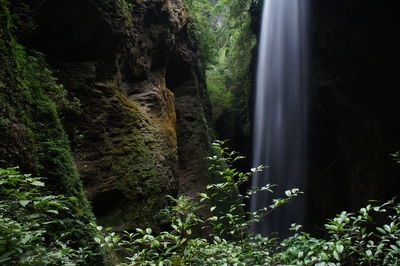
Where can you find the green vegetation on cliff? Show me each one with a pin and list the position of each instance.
(31, 130)
(32, 137)
(226, 44)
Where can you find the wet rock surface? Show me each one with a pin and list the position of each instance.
(354, 105)
(143, 132)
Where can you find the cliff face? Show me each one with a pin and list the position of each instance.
(142, 132)
(355, 104)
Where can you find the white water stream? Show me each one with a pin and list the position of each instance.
(280, 115)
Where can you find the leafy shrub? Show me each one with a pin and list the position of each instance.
(37, 228)
(369, 237)
(353, 239)
(227, 238)
(200, 12)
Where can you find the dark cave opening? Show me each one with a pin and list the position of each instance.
(178, 72)
(104, 202)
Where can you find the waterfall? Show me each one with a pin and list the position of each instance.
(280, 115)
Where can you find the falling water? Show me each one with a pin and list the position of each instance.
(280, 115)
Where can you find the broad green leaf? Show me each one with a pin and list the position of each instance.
(336, 255)
(340, 248)
(387, 227)
(381, 230)
(38, 184)
(24, 202)
(26, 238)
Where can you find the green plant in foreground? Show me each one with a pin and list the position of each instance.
(227, 239)
(353, 239)
(233, 222)
(37, 228)
(369, 237)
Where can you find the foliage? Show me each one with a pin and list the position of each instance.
(369, 237)
(201, 14)
(38, 228)
(31, 99)
(126, 7)
(221, 97)
(227, 192)
(226, 238)
(32, 136)
(354, 239)
(226, 44)
(396, 156)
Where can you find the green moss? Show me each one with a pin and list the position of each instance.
(31, 133)
(29, 94)
(134, 167)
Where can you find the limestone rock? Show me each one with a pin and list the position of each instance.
(143, 130)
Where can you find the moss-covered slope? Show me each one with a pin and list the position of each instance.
(141, 131)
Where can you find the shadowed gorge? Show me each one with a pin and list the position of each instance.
(120, 121)
(355, 102)
(116, 59)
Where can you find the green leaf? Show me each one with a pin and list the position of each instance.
(204, 195)
(6, 256)
(24, 202)
(38, 184)
(186, 252)
(336, 255)
(26, 239)
(381, 230)
(387, 228)
(340, 248)
(52, 211)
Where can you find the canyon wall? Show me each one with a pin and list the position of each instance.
(355, 105)
(140, 132)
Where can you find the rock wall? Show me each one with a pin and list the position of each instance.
(143, 132)
(355, 105)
